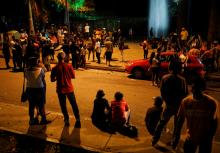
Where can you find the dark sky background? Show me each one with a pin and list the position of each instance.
(132, 8)
(139, 8)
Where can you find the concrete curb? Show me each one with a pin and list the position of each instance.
(105, 68)
(50, 140)
(209, 77)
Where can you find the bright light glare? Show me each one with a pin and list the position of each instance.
(176, 1)
(158, 17)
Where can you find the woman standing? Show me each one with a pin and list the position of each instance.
(35, 76)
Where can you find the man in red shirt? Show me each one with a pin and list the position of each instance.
(63, 73)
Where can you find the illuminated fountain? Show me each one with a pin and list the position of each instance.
(158, 18)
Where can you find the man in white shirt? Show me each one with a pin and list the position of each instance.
(86, 31)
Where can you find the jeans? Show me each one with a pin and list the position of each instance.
(72, 100)
(167, 114)
(36, 98)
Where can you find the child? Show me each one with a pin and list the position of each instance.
(101, 111)
(153, 114)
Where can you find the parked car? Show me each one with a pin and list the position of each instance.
(140, 68)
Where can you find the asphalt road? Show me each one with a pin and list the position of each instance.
(138, 93)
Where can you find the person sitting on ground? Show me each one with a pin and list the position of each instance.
(120, 111)
(153, 114)
(101, 111)
(121, 115)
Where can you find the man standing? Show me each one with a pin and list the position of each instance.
(98, 50)
(108, 51)
(145, 48)
(86, 31)
(63, 73)
(201, 113)
(173, 89)
(183, 36)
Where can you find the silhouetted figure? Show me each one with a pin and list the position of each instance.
(153, 114)
(173, 89)
(201, 113)
(101, 111)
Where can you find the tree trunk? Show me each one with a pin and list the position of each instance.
(31, 23)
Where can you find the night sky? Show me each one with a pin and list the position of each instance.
(131, 8)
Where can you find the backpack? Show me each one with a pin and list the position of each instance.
(129, 130)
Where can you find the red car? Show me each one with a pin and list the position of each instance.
(140, 68)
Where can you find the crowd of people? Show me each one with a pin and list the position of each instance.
(199, 109)
(184, 43)
(109, 118)
(75, 44)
